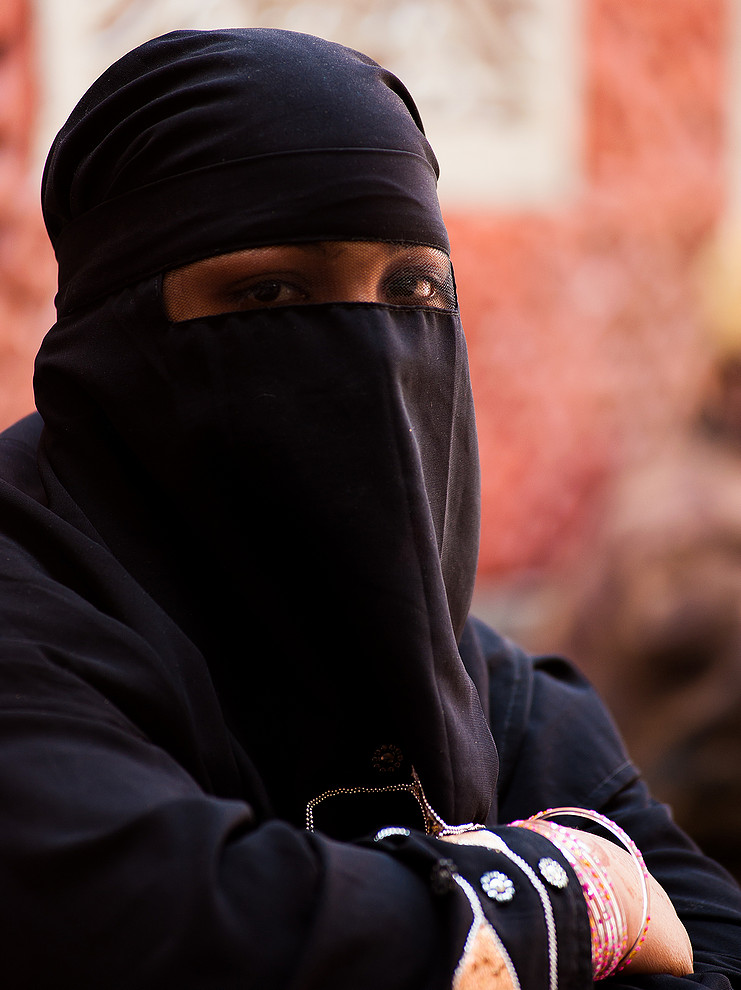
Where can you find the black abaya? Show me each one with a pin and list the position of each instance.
(237, 563)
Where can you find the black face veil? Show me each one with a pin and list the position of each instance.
(297, 488)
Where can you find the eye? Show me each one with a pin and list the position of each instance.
(422, 285)
(267, 292)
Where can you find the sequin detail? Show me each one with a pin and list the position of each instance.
(390, 830)
(498, 886)
(387, 758)
(553, 873)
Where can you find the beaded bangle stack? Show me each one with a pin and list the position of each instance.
(607, 923)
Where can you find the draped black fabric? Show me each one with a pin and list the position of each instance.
(236, 564)
(296, 487)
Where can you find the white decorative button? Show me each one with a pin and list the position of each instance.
(553, 873)
(498, 886)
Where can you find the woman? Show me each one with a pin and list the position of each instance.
(250, 736)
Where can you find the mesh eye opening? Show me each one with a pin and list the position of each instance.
(303, 274)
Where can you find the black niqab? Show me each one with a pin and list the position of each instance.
(297, 488)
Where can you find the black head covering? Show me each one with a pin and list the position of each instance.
(293, 139)
(296, 487)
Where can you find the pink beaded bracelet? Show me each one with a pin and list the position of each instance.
(622, 836)
(607, 923)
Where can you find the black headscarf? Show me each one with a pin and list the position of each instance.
(296, 487)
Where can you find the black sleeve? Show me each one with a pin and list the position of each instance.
(119, 872)
(558, 746)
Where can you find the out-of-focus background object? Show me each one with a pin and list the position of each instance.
(654, 613)
(591, 181)
(26, 261)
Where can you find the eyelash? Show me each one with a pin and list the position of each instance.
(250, 292)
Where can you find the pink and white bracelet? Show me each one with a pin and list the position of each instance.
(607, 923)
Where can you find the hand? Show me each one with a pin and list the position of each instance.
(667, 948)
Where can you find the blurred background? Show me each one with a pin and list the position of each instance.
(591, 181)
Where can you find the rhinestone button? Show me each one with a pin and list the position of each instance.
(387, 758)
(498, 886)
(553, 873)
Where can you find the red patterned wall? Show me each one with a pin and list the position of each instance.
(583, 326)
(27, 275)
